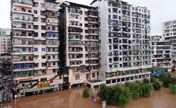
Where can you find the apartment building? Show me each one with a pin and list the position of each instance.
(169, 33)
(79, 49)
(5, 66)
(125, 52)
(35, 41)
(161, 54)
(5, 41)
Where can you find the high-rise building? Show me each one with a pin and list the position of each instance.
(5, 41)
(35, 41)
(169, 33)
(2, 31)
(79, 49)
(125, 47)
(161, 54)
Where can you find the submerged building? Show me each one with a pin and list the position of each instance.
(35, 41)
(125, 47)
(162, 53)
(169, 33)
(5, 40)
(79, 37)
(75, 44)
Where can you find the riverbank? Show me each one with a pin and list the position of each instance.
(73, 99)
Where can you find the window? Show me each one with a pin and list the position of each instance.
(109, 10)
(43, 20)
(54, 63)
(35, 34)
(43, 49)
(35, 19)
(23, 9)
(43, 13)
(77, 77)
(35, 49)
(43, 64)
(109, 28)
(54, 56)
(53, 49)
(23, 25)
(115, 10)
(43, 57)
(119, 17)
(43, 27)
(114, 16)
(36, 57)
(35, 4)
(43, 34)
(53, 28)
(115, 46)
(35, 27)
(110, 48)
(49, 57)
(93, 75)
(35, 12)
(109, 16)
(24, 49)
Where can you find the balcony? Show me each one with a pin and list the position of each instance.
(23, 3)
(75, 30)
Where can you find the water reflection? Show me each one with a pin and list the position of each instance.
(73, 99)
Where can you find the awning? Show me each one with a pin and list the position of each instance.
(38, 89)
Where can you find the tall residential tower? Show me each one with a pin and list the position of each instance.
(35, 41)
(125, 52)
(169, 33)
(79, 49)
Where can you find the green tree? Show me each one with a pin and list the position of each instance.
(146, 90)
(127, 84)
(146, 81)
(153, 79)
(103, 91)
(110, 96)
(135, 90)
(172, 88)
(156, 85)
(138, 82)
(162, 77)
(166, 81)
(124, 96)
(86, 92)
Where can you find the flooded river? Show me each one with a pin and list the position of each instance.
(73, 99)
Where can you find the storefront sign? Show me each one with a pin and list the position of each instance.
(56, 82)
(44, 83)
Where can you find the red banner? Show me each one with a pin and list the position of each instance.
(44, 83)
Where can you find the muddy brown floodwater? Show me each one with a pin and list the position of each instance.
(73, 99)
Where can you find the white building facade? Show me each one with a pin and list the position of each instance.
(5, 41)
(162, 53)
(79, 49)
(169, 33)
(35, 41)
(125, 48)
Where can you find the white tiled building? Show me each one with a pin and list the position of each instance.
(79, 43)
(35, 41)
(161, 54)
(5, 41)
(125, 50)
(169, 33)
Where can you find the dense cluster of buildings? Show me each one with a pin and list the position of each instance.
(161, 52)
(5, 41)
(72, 44)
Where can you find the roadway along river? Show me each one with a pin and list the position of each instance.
(73, 99)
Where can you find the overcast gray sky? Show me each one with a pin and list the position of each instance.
(161, 10)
